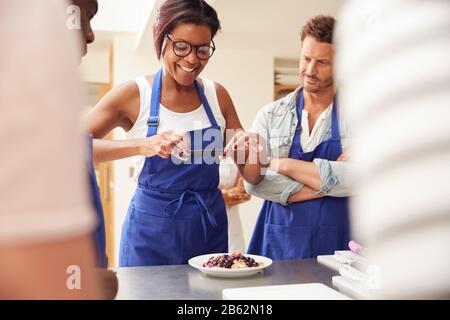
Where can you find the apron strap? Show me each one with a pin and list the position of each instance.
(204, 209)
(335, 132)
(205, 103)
(298, 130)
(334, 116)
(301, 102)
(153, 120)
(335, 121)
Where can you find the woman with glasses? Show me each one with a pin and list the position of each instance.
(175, 122)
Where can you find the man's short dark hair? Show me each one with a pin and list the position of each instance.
(320, 27)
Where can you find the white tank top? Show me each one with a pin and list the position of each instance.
(169, 120)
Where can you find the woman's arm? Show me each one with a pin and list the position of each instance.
(108, 150)
(247, 159)
(120, 108)
(249, 153)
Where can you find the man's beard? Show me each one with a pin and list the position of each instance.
(321, 86)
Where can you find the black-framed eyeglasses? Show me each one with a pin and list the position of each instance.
(183, 49)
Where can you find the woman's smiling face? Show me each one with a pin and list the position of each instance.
(184, 70)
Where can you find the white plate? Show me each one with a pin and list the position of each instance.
(197, 262)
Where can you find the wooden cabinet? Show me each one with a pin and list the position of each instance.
(286, 77)
(282, 90)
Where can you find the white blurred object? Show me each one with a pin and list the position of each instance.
(393, 67)
(352, 274)
(43, 172)
(346, 256)
(341, 258)
(349, 288)
(330, 262)
(228, 176)
(304, 291)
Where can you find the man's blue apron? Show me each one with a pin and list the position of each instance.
(100, 236)
(177, 211)
(304, 229)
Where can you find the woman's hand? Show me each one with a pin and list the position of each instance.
(244, 145)
(163, 144)
(236, 195)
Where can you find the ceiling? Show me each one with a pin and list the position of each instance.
(122, 16)
(271, 17)
(271, 25)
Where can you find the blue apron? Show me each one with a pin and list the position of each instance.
(304, 229)
(100, 237)
(177, 211)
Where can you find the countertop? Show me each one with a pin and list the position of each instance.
(183, 282)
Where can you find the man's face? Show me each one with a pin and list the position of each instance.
(316, 65)
(88, 10)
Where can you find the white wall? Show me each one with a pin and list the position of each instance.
(122, 16)
(95, 67)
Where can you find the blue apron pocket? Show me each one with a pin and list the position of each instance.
(154, 240)
(283, 242)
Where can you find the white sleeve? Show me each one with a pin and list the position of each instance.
(43, 171)
(228, 173)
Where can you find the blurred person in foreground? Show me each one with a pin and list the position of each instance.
(88, 9)
(393, 62)
(46, 247)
